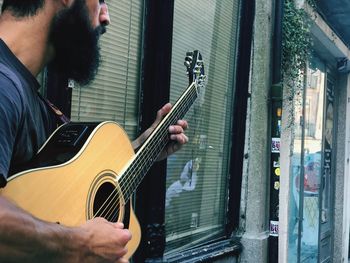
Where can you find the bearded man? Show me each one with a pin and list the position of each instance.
(64, 33)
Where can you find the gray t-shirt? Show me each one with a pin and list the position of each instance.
(25, 121)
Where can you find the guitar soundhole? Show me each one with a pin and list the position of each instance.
(106, 202)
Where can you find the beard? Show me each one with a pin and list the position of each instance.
(75, 42)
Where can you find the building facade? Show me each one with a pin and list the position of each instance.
(315, 218)
(310, 174)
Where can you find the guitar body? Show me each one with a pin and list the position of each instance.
(89, 163)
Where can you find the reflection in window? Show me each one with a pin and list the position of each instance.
(307, 167)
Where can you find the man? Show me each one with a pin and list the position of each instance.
(64, 33)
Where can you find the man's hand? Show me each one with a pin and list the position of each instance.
(24, 238)
(176, 133)
(106, 241)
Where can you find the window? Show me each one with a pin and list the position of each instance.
(113, 95)
(197, 177)
(307, 169)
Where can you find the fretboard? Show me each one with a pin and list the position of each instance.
(155, 143)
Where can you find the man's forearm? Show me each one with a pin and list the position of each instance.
(27, 239)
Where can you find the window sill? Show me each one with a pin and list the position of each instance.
(207, 253)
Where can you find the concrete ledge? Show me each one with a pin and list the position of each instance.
(255, 248)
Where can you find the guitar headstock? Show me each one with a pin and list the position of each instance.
(195, 68)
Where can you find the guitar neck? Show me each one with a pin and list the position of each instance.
(152, 147)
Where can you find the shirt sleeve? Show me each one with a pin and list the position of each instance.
(11, 106)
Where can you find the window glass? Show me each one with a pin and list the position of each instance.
(307, 167)
(197, 176)
(296, 160)
(113, 95)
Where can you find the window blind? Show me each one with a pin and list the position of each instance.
(197, 177)
(113, 95)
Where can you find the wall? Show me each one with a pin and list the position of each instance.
(341, 225)
(255, 189)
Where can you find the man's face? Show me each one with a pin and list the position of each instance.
(75, 41)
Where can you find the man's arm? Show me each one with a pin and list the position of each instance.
(24, 238)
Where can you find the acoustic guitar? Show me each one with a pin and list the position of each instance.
(87, 170)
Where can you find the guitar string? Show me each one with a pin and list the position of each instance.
(130, 181)
(144, 160)
(191, 96)
(111, 211)
(188, 101)
(157, 145)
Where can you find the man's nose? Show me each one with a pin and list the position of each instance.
(104, 15)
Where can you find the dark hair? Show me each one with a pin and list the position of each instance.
(21, 8)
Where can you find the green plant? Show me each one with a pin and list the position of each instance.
(297, 42)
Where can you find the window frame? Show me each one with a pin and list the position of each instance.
(150, 208)
(155, 82)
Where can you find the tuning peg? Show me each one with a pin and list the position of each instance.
(188, 59)
(189, 54)
(197, 69)
(200, 62)
(202, 81)
(202, 78)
